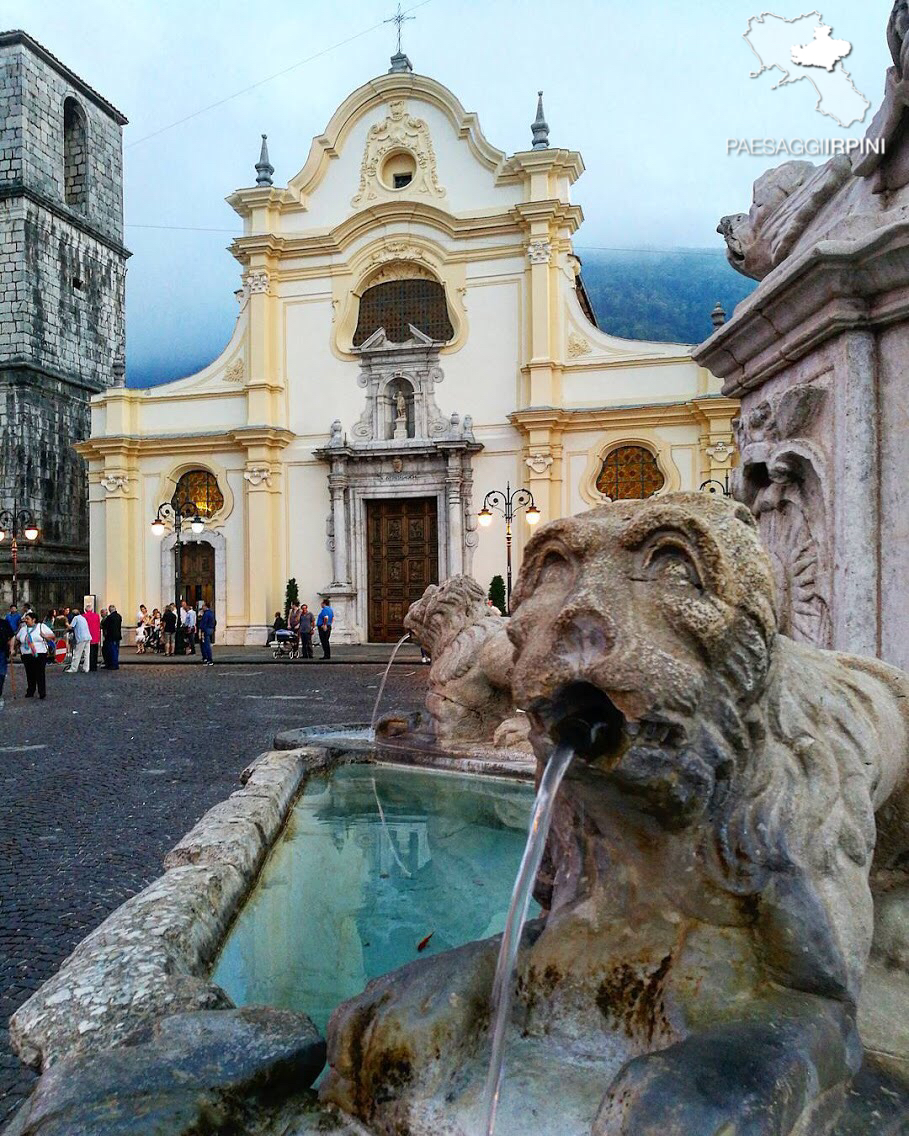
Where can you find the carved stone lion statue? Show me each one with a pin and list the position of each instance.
(730, 845)
(469, 698)
(797, 205)
(785, 201)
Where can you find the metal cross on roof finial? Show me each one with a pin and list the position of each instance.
(398, 18)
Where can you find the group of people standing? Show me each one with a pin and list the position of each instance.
(157, 632)
(36, 640)
(302, 623)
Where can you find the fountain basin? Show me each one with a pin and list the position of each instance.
(100, 1021)
(377, 865)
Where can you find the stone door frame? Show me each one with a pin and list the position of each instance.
(218, 541)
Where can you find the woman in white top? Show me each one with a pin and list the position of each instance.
(142, 627)
(34, 638)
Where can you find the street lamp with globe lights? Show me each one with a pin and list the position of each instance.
(179, 510)
(13, 522)
(508, 503)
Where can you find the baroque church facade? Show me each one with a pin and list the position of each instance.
(413, 334)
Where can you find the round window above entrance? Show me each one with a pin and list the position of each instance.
(628, 473)
(197, 490)
(398, 169)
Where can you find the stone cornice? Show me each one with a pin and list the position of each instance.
(411, 448)
(516, 219)
(19, 189)
(551, 210)
(243, 201)
(25, 368)
(604, 363)
(263, 436)
(837, 286)
(135, 445)
(159, 393)
(21, 37)
(585, 417)
(566, 163)
(368, 221)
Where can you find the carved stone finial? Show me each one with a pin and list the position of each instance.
(540, 127)
(264, 168)
(718, 315)
(399, 62)
(119, 370)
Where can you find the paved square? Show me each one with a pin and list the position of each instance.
(103, 777)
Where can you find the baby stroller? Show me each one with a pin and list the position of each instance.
(285, 645)
(154, 640)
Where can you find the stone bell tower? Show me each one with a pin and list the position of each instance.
(62, 278)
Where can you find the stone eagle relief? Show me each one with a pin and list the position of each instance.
(730, 849)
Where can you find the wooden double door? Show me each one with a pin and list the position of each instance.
(197, 573)
(402, 537)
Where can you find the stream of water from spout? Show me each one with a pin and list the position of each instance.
(375, 710)
(503, 985)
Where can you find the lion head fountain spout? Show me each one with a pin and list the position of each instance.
(728, 862)
(469, 700)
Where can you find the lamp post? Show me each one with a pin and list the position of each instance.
(14, 523)
(179, 510)
(508, 503)
(712, 485)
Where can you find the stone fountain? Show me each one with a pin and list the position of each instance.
(726, 909)
(724, 943)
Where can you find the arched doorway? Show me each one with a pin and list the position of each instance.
(197, 573)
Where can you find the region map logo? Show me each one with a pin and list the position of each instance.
(804, 49)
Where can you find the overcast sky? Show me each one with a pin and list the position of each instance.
(647, 91)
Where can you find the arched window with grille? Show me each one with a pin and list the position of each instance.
(198, 490)
(75, 154)
(396, 304)
(630, 472)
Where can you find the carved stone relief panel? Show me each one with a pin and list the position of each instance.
(782, 479)
(400, 377)
(398, 132)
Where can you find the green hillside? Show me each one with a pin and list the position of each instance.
(662, 295)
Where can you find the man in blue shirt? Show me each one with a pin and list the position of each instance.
(207, 631)
(323, 626)
(14, 618)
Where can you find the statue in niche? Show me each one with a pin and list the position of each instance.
(402, 418)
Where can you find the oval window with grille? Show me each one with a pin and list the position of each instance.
(198, 489)
(628, 473)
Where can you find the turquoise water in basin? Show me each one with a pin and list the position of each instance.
(345, 897)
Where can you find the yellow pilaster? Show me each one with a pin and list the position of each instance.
(716, 444)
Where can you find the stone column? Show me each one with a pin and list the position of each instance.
(857, 535)
(471, 537)
(116, 580)
(539, 253)
(453, 479)
(539, 481)
(337, 484)
(341, 590)
(260, 553)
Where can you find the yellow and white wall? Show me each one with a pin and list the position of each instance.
(549, 394)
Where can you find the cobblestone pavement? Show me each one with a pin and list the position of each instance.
(106, 775)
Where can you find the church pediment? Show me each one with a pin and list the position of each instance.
(398, 126)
